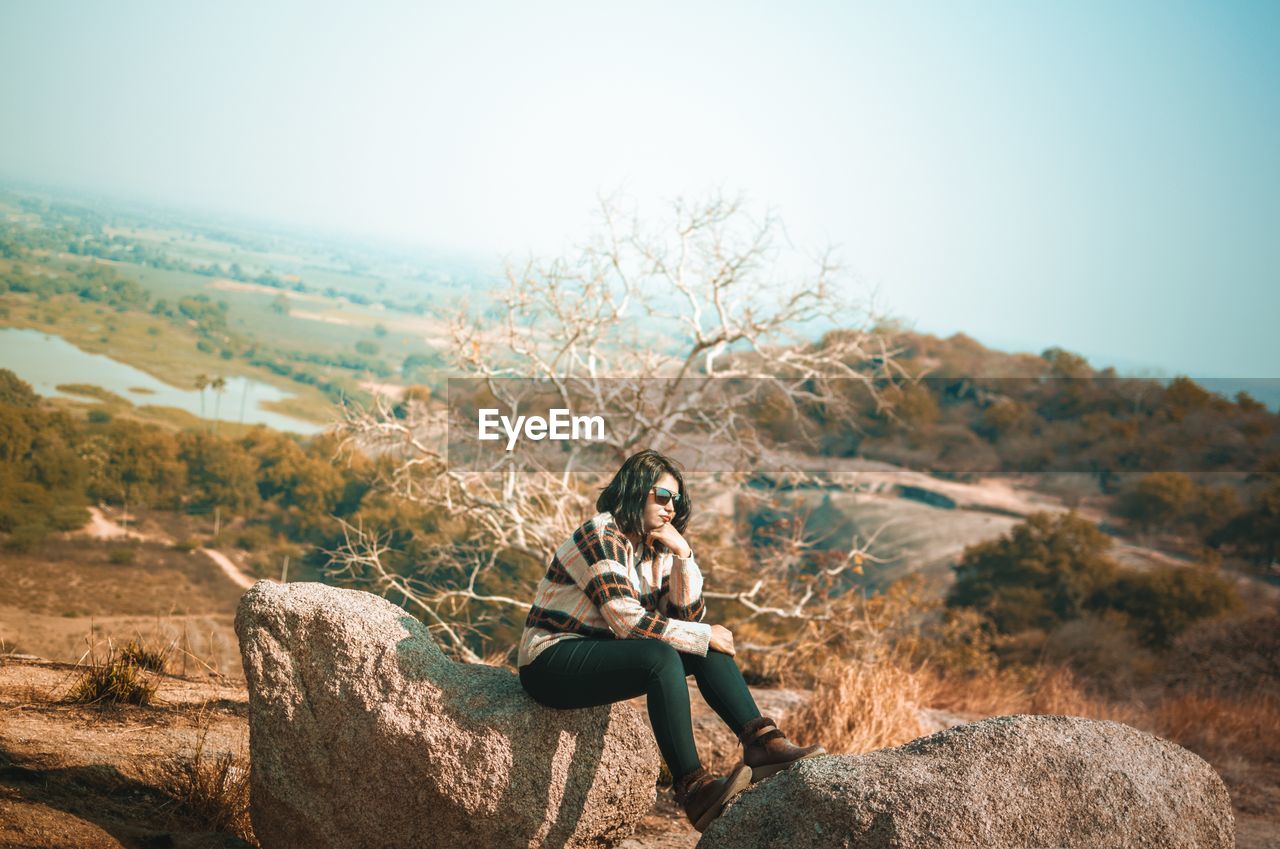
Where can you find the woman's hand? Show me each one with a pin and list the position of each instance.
(722, 639)
(671, 538)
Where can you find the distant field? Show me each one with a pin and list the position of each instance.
(161, 282)
(305, 328)
(323, 339)
(195, 247)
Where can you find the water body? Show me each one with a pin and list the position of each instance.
(46, 361)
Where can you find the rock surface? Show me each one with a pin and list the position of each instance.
(1004, 782)
(362, 733)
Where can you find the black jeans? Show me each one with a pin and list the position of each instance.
(586, 671)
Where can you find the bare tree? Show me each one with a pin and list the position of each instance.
(687, 326)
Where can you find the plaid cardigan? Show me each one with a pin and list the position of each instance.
(593, 588)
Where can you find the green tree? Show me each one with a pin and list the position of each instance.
(24, 508)
(1002, 418)
(16, 434)
(41, 477)
(1255, 533)
(1046, 570)
(1158, 500)
(1183, 396)
(135, 464)
(1161, 604)
(293, 479)
(419, 366)
(1064, 363)
(220, 474)
(15, 391)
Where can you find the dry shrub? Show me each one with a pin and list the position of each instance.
(858, 706)
(142, 656)
(992, 693)
(873, 629)
(503, 658)
(1234, 657)
(957, 639)
(1215, 727)
(1037, 690)
(1102, 650)
(211, 788)
(122, 555)
(795, 664)
(1056, 690)
(870, 676)
(116, 680)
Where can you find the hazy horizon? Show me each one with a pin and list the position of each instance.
(1100, 179)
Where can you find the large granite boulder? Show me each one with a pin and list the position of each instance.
(362, 733)
(1003, 782)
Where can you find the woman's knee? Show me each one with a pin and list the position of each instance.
(712, 659)
(716, 664)
(659, 657)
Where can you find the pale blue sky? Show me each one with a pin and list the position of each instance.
(1099, 176)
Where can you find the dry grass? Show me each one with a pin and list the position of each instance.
(990, 694)
(116, 680)
(861, 706)
(211, 788)
(1039, 690)
(143, 657)
(1216, 727)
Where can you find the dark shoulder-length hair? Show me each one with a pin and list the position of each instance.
(626, 494)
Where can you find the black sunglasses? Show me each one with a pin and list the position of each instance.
(664, 496)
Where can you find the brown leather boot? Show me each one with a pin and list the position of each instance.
(704, 796)
(766, 749)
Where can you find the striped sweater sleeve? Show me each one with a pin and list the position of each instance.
(683, 598)
(597, 562)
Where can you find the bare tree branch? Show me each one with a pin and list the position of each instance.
(687, 325)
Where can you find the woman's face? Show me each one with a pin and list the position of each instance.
(656, 515)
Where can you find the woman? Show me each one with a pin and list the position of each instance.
(619, 614)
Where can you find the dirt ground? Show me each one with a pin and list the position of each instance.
(70, 596)
(73, 776)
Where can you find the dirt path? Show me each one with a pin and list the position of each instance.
(229, 568)
(100, 527)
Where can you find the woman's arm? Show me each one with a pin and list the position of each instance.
(683, 598)
(597, 562)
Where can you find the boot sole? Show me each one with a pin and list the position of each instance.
(759, 773)
(740, 780)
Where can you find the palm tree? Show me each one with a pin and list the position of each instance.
(218, 384)
(202, 380)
